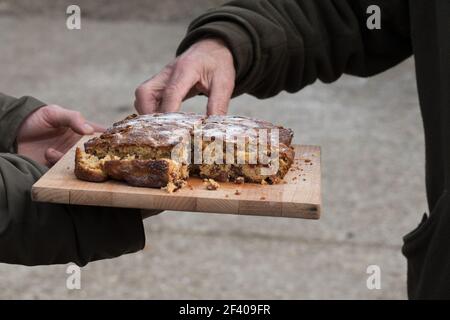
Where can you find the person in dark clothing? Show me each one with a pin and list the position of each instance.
(33, 136)
(262, 47)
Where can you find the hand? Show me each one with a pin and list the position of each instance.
(50, 131)
(206, 67)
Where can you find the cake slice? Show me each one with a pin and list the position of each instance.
(140, 151)
(152, 136)
(160, 173)
(231, 130)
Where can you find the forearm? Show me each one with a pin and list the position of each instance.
(12, 113)
(287, 44)
(36, 233)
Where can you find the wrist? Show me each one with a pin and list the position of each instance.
(14, 120)
(232, 36)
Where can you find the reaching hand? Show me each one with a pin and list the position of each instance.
(206, 67)
(49, 132)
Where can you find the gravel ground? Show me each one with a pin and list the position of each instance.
(112, 10)
(373, 175)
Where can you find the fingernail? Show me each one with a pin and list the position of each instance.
(88, 128)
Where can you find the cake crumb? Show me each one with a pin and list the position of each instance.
(263, 182)
(211, 184)
(262, 198)
(181, 184)
(171, 187)
(237, 192)
(239, 180)
(307, 160)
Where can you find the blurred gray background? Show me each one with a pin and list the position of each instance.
(370, 132)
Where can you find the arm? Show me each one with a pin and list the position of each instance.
(13, 112)
(288, 44)
(38, 234)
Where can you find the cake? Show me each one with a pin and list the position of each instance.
(161, 150)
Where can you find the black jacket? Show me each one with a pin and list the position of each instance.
(288, 44)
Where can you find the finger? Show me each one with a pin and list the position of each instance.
(148, 94)
(59, 117)
(219, 97)
(147, 99)
(52, 156)
(177, 89)
(96, 126)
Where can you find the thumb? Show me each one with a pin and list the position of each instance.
(59, 117)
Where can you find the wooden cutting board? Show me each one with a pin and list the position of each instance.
(298, 197)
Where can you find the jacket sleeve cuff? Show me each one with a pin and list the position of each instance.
(235, 37)
(12, 116)
(119, 233)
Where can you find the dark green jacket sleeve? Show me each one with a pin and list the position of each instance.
(288, 44)
(34, 233)
(12, 113)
